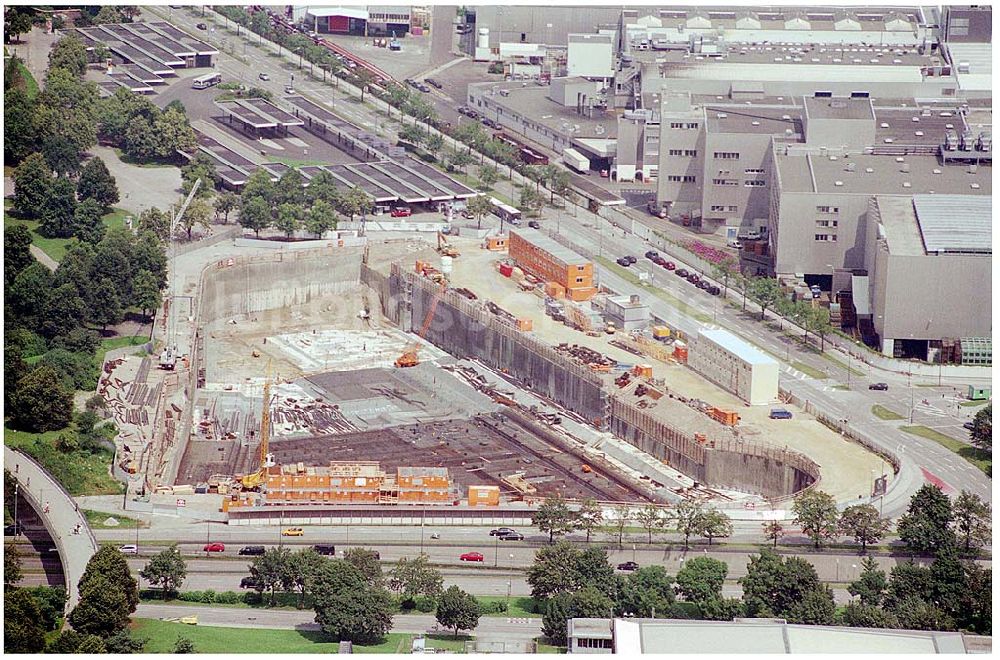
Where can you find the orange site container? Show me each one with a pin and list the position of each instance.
(484, 495)
(524, 325)
(496, 243)
(555, 290)
(643, 370)
(727, 417)
(681, 353)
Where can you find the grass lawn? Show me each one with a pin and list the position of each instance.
(884, 413)
(843, 388)
(812, 372)
(119, 342)
(854, 372)
(658, 292)
(981, 459)
(548, 648)
(970, 404)
(31, 85)
(57, 247)
(163, 635)
(96, 520)
(80, 472)
(446, 641)
(520, 606)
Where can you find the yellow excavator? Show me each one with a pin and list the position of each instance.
(255, 480)
(410, 356)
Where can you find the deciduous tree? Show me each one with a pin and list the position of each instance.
(11, 565)
(816, 512)
(22, 631)
(700, 579)
(981, 434)
(57, 210)
(32, 185)
(255, 214)
(715, 524)
(972, 521)
(926, 526)
(648, 592)
(590, 515)
(146, 293)
(40, 403)
(773, 531)
(97, 183)
(554, 517)
(415, 577)
(367, 563)
(871, 585)
(167, 570)
(457, 610)
(688, 516)
(88, 225)
(863, 523)
(650, 518)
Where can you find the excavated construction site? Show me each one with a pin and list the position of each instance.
(331, 322)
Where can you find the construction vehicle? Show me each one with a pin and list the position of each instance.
(255, 480)
(445, 248)
(610, 329)
(410, 356)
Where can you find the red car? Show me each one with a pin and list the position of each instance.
(401, 212)
(670, 265)
(214, 547)
(472, 556)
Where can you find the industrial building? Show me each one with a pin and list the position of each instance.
(633, 637)
(919, 249)
(351, 482)
(627, 313)
(542, 257)
(371, 20)
(735, 365)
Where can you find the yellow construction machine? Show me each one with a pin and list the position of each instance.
(445, 248)
(410, 357)
(255, 480)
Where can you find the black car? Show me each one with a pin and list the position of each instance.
(325, 549)
(462, 110)
(248, 583)
(534, 224)
(628, 566)
(715, 290)
(681, 272)
(513, 536)
(433, 83)
(623, 261)
(13, 530)
(879, 386)
(423, 88)
(411, 82)
(201, 26)
(968, 426)
(693, 278)
(652, 255)
(703, 285)
(502, 531)
(252, 550)
(631, 259)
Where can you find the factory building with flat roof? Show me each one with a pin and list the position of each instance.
(735, 365)
(542, 257)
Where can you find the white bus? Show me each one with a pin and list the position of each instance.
(505, 212)
(207, 80)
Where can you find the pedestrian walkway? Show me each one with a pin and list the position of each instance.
(60, 514)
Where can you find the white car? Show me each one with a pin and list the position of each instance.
(129, 549)
(264, 76)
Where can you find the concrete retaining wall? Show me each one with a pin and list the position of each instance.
(272, 281)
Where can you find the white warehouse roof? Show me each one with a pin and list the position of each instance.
(326, 12)
(741, 349)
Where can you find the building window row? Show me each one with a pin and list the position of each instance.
(826, 223)
(683, 152)
(755, 183)
(683, 125)
(730, 208)
(753, 170)
(587, 643)
(726, 182)
(826, 238)
(726, 155)
(678, 178)
(827, 209)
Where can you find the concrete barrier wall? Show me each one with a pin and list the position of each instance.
(272, 281)
(767, 471)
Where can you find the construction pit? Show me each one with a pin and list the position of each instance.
(338, 397)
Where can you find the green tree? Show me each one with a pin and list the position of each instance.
(948, 587)
(225, 203)
(155, 221)
(16, 250)
(173, 133)
(184, 645)
(773, 531)
(863, 523)
(871, 585)
(32, 186)
(200, 167)
(288, 220)
(166, 570)
(700, 580)
(723, 609)
(553, 571)
(590, 515)
(69, 53)
(11, 565)
(103, 609)
(321, 218)
(688, 516)
(271, 571)
(461, 160)
(650, 518)
(40, 403)
(816, 608)
(367, 563)
(413, 134)
(816, 512)
(981, 434)
(764, 291)
(926, 525)
(915, 613)
(124, 641)
(362, 615)
(255, 214)
(908, 580)
(88, 225)
(479, 206)
(97, 183)
(304, 567)
(64, 311)
(972, 521)
(457, 610)
(593, 569)
(817, 321)
(646, 592)
(532, 201)
(110, 564)
(488, 175)
(586, 603)
(289, 189)
(22, 631)
(623, 516)
(773, 585)
(715, 524)
(106, 308)
(198, 213)
(57, 211)
(20, 126)
(259, 185)
(17, 21)
(415, 577)
(554, 517)
(435, 143)
(146, 293)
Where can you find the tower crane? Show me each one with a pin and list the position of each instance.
(410, 357)
(255, 480)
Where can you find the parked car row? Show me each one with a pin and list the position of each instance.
(693, 278)
(626, 261)
(416, 84)
(468, 112)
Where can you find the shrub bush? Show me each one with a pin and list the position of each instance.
(425, 605)
(228, 597)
